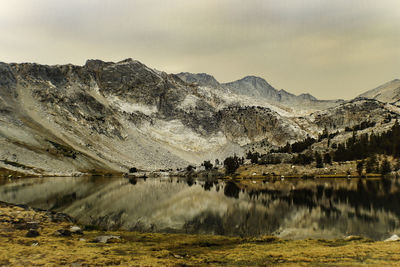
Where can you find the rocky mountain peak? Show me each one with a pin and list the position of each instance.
(96, 64)
(202, 79)
(283, 92)
(252, 86)
(114, 116)
(256, 82)
(307, 96)
(127, 60)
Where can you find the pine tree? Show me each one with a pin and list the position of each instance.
(254, 158)
(190, 168)
(327, 159)
(385, 168)
(371, 164)
(207, 165)
(318, 160)
(231, 164)
(360, 167)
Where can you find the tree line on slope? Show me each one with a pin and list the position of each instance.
(363, 148)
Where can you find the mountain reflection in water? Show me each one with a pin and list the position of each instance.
(289, 209)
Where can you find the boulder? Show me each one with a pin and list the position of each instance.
(107, 239)
(392, 238)
(63, 232)
(76, 230)
(32, 233)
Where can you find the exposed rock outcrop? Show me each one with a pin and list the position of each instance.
(109, 117)
(388, 92)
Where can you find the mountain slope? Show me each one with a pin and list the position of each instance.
(388, 92)
(109, 117)
(253, 86)
(353, 113)
(202, 79)
(259, 91)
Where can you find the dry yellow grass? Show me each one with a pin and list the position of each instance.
(151, 249)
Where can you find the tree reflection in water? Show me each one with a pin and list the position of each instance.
(291, 208)
(231, 190)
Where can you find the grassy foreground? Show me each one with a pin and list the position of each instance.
(149, 249)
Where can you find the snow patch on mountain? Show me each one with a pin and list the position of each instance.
(189, 102)
(130, 107)
(178, 135)
(227, 98)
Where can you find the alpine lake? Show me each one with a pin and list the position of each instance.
(289, 208)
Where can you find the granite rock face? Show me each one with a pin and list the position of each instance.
(353, 113)
(110, 117)
(388, 92)
(202, 79)
(258, 88)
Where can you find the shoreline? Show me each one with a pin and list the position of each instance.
(125, 248)
(347, 169)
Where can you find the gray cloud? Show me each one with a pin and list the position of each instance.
(328, 48)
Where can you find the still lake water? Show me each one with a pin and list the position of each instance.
(291, 209)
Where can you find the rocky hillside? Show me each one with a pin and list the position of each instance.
(388, 92)
(257, 88)
(353, 113)
(109, 117)
(202, 79)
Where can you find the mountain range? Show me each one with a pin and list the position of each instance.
(110, 117)
(258, 88)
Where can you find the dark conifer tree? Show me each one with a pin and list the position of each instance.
(385, 168)
(371, 164)
(207, 165)
(231, 164)
(318, 160)
(327, 159)
(360, 167)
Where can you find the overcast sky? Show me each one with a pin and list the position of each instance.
(329, 48)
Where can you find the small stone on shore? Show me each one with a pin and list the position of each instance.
(63, 232)
(32, 233)
(76, 230)
(392, 238)
(107, 239)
